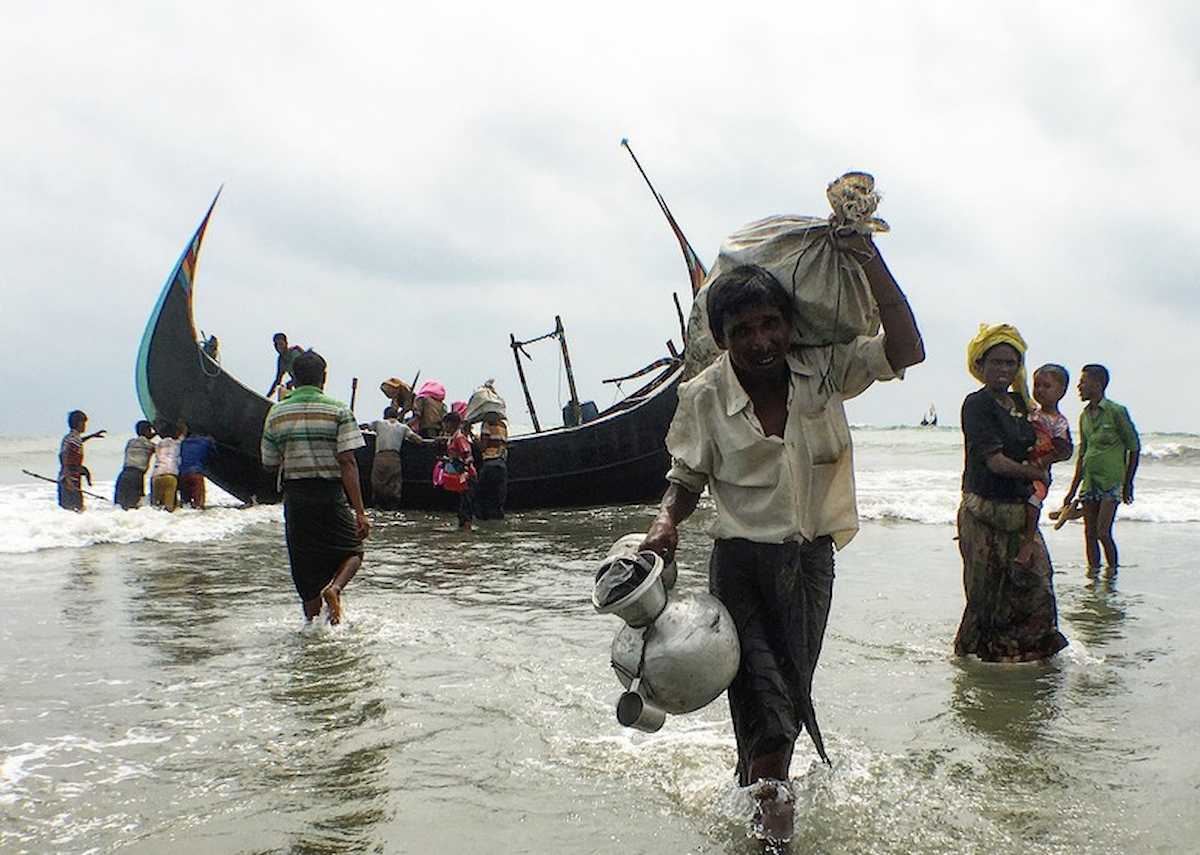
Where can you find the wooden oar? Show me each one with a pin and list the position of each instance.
(55, 481)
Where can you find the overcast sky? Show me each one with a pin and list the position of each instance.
(405, 186)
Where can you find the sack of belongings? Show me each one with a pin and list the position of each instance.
(484, 401)
(833, 302)
(398, 392)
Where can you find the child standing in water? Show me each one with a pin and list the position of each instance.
(1053, 444)
(457, 472)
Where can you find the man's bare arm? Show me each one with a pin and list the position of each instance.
(902, 342)
(349, 468)
(677, 505)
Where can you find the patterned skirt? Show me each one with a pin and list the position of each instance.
(1011, 614)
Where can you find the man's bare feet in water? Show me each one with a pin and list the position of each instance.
(774, 815)
(333, 602)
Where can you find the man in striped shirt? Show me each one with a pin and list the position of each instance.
(310, 439)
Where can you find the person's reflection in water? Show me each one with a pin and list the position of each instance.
(178, 603)
(335, 757)
(1098, 615)
(81, 606)
(1010, 704)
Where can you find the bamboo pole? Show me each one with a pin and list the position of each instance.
(516, 349)
(576, 410)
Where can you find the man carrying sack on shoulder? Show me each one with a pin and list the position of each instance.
(763, 428)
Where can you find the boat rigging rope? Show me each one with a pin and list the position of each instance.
(202, 356)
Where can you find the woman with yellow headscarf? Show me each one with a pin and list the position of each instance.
(1010, 615)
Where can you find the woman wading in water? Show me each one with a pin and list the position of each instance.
(1011, 615)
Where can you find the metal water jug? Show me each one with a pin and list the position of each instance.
(676, 653)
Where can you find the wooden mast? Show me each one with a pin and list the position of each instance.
(516, 349)
(576, 411)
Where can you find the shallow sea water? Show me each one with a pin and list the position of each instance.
(160, 693)
(164, 698)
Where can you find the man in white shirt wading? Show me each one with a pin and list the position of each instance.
(764, 429)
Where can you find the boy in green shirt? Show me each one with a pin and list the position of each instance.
(1108, 459)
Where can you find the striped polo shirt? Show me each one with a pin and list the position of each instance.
(304, 434)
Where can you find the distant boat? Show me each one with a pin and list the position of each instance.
(618, 457)
(930, 418)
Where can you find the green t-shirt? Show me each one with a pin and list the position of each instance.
(1107, 438)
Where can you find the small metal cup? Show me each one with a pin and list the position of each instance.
(635, 711)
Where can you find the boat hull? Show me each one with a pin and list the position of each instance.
(618, 458)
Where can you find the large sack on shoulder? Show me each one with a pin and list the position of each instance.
(832, 299)
(484, 401)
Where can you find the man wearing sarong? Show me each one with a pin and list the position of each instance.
(130, 486)
(492, 491)
(310, 439)
(194, 452)
(387, 476)
(71, 470)
(764, 429)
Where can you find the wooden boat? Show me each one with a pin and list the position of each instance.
(619, 457)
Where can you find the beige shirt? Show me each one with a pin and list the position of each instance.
(767, 488)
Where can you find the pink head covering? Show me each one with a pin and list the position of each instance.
(459, 407)
(432, 389)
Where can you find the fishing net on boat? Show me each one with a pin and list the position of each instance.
(832, 299)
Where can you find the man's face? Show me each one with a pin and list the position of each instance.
(1048, 388)
(1000, 365)
(280, 345)
(757, 340)
(1089, 387)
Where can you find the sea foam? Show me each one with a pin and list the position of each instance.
(30, 520)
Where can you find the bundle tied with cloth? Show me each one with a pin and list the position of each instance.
(485, 401)
(398, 392)
(830, 291)
(989, 336)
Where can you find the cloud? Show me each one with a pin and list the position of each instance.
(404, 189)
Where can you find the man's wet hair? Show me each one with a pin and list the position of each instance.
(1098, 371)
(279, 336)
(141, 427)
(167, 429)
(1054, 368)
(309, 369)
(76, 418)
(745, 287)
(390, 413)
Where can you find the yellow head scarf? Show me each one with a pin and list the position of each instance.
(988, 337)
